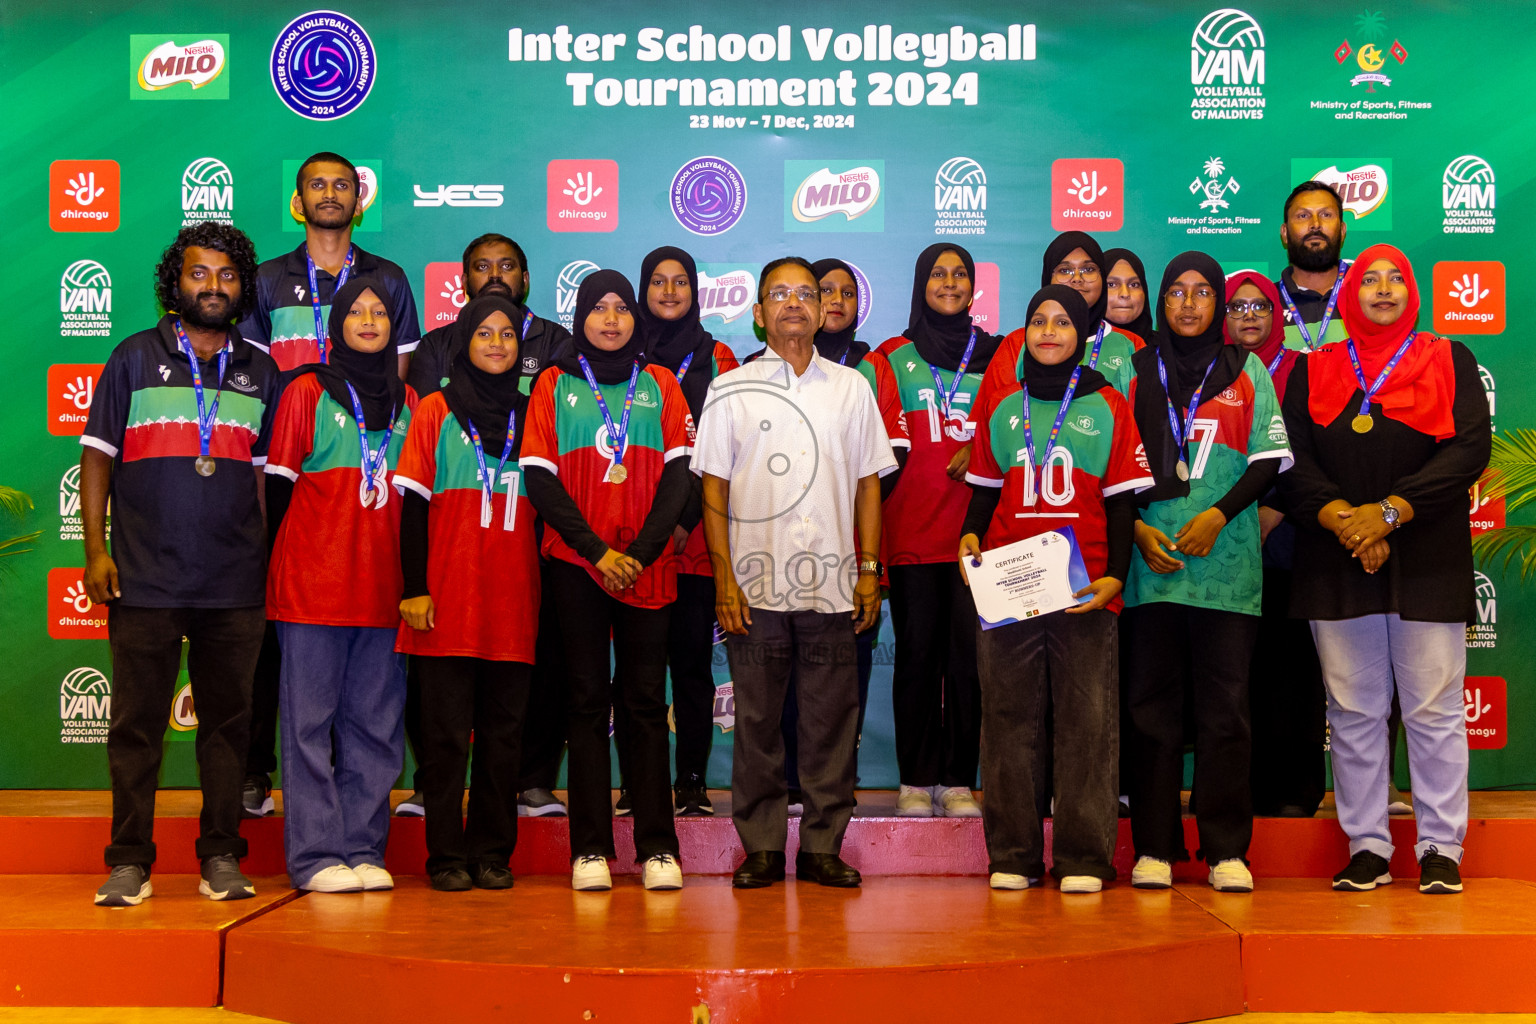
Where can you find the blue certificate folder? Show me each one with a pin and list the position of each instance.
(1077, 576)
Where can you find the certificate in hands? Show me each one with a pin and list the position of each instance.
(1028, 578)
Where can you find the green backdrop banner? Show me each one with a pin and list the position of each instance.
(857, 130)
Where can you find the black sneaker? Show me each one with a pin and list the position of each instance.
(621, 807)
(222, 879)
(1438, 874)
(256, 796)
(1364, 872)
(451, 880)
(692, 798)
(127, 886)
(413, 806)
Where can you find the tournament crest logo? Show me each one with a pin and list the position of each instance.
(323, 65)
(708, 195)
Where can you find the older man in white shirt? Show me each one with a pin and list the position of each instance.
(791, 448)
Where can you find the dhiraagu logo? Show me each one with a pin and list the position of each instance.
(837, 195)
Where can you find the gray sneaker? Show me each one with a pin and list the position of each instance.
(539, 803)
(256, 796)
(222, 879)
(413, 806)
(127, 886)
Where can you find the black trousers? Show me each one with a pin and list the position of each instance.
(690, 654)
(1285, 688)
(1178, 651)
(1070, 663)
(819, 647)
(146, 656)
(638, 682)
(935, 692)
(789, 726)
(545, 724)
(487, 699)
(261, 757)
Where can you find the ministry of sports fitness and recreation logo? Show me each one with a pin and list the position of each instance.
(323, 65)
(1363, 56)
(1484, 631)
(85, 706)
(1467, 194)
(1214, 187)
(960, 198)
(567, 283)
(727, 292)
(85, 301)
(207, 192)
(1469, 297)
(1362, 182)
(1370, 31)
(709, 195)
(1226, 67)
(164, 69)
(838, 196)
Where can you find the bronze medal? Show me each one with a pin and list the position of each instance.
(618, 474)
(1362, 424)
(205, 465)
(1182, 471)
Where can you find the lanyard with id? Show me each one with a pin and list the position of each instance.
(208, 417)
(1322, 326)
(487, 481)
(1362, 423)
(946, 395)
(1181, 439)
(373, 461)
(618, 437)
(314, 294)
(1038, 468)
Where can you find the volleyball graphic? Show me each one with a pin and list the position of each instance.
(1227, 29)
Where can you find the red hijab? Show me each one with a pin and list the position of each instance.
(1275, 343)
(1422, 388)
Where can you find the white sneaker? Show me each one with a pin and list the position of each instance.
(1081, 883)
(373, 877)
(336, 878)
(1231, 875)
(590, 874)
(1003, 880)
(914, 802)
(954, 802)
(1152, 873)
(661, 871)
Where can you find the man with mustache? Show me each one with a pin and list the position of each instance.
(287, 318)
(1312, 231)
(177, 438)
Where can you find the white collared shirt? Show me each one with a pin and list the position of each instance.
(793, 449)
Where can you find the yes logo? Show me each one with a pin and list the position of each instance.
(1485, 706)
(445, 293)
(70, 389)
(1087, 193)
(84, 195)
(1469, 297)
(71, 614)
(582, 195)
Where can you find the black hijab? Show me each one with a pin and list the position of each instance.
(839, 346)
(1057, 251)
(1186, 360)
(941, 339)
(669, 342)
(487, 399)
(607, 367)
(1050, 382)
(1142, 325)
(375, 376)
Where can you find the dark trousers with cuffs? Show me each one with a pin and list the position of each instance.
(463, 696)
(1070, 663)
(261, 757)
(146, 657)
(1288, 704)
(638, 682)
(819, 646)
(544, 730)
(935, 691)
(1179, 650)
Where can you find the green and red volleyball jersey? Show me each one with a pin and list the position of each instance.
(181, 539)
(695, 557)
(1234, 429)
(1098, 454)
(567, 436)
(482, 569)
(1114, 360)
(922, 517)
(337, 559)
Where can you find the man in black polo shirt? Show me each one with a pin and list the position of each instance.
(177, 438)
(495, 264)
(291, 306)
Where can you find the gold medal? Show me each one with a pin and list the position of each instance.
(1362, 424)
(1182, 470)
(205, 465)
(617, 474)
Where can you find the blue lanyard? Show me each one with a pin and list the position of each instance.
(527, 323)
(1274, 364)
(207, 418)
(682, 371)
(1061, 417)
(948, 394)
(617, 438)
(1182, 439)
(1098, 343)
(842, 360)
(1381, 378)
(314, 295)
(371, 459)
(1322, 327)
(487, 482)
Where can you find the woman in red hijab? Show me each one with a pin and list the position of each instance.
(1389, 429)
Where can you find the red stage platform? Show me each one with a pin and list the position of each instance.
(923, 939)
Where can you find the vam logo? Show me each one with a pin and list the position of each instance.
(85, 301)
(960, 198)
(567, 282)
(163, 69)
(207, 192)
(85, 706)
(1489, 390)
(727, 293)
(1467, 195)
(834, 197)
(1485, 631)
(1226, 67)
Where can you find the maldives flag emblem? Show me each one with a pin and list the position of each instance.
(1398, 52)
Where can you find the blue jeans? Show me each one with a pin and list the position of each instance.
(345, 682)
(1362, 657)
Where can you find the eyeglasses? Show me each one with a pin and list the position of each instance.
(1086, 272)
(1201, 296)
(782, 293)
(1258, 307)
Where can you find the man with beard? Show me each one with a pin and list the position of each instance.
(287, 319)
(495, 265)
(177, 439)
(1312, 231)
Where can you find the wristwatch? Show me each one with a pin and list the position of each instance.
(1389, 513)
(871, 567)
